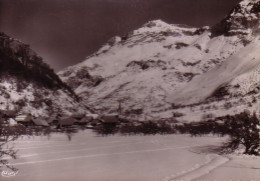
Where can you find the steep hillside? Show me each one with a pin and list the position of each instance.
(162, 70)
(29, 85)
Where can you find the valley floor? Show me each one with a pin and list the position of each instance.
(87, 157)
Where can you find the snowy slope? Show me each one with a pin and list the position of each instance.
(245, 61)
(160, 64)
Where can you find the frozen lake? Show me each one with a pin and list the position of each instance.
(88, 157)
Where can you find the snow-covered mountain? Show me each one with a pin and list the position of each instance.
(28, 85)
(163, 70)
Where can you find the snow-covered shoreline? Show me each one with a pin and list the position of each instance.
(239, 167)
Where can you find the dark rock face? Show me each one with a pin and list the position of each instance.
(148, 64)
(245, 16)
(82, 77)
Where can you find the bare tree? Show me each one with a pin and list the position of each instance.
(7, 135)
(244, 130)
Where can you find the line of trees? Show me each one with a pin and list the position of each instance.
(243, 129)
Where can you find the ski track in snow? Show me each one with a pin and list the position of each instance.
(212, 162)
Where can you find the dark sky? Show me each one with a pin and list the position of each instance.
(64, 32)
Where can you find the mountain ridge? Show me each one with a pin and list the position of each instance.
(142, 70)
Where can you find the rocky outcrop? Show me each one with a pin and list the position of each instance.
(244, 19)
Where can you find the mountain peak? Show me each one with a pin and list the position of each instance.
(247, 8)
(156, 23)
(158, 26)
(248, 2)
(242, 20)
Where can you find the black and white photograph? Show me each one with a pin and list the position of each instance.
(130, 90)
